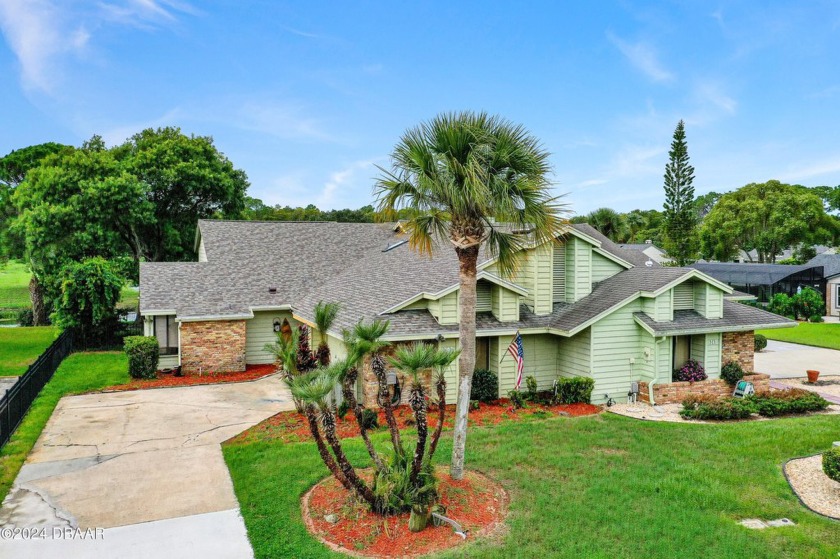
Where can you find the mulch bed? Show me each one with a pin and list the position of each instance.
(167, 380)
(476, 502)
(290, 426)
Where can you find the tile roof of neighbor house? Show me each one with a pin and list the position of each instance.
(829, 262)
(749, 274)
(312, 261)
(735, 316)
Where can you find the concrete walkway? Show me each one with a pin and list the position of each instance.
(787, 360)
(143, 470)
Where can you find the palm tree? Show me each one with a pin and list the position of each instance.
(285, 350)
(470, 179)
(325, 314)
(610, 223)
(444, 359)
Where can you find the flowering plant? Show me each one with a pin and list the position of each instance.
(692, 371)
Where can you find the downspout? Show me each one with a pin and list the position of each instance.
(179, 342)
(655, 370)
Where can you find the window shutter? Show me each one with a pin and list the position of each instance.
(559, 273)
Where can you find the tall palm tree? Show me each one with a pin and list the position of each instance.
(470, 179)
(612, 224)
(325, 314)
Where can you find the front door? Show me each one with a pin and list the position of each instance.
(482, 353)
(682, 350)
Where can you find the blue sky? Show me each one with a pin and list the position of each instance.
(307, 97)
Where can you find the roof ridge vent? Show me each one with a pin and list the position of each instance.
(391, 246)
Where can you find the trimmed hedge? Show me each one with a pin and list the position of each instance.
(732, 372)
(760, 342)
(485, 386)
(143, 354)
(788, 402)
(831, 463)
(711, 407)
(575, 390)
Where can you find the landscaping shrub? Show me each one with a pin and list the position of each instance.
(370, 419)
(342, 410)
(516, 399)
(692, 371)
(709, 407)
(786, 402)
(815, 318)
(143, 354)
(25, 318)
(485, 386)
(574, 390)
(809, 302)
(475, 405)
(782, 304)
(531, 384)
(732, 372)
(760, 342)
(831, 463)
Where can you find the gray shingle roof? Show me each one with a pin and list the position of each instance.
(829, 262)
(736, 316)
(634, 257)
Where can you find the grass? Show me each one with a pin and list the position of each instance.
(596, 487)
(19, 347)
(80, 372)
(823, 334)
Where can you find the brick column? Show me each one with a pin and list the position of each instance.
(213, 346)
(739, 347)
(370, 385)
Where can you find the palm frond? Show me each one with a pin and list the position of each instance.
(325, 314)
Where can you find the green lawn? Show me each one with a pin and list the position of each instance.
(19, 347)
(596, 487)
(80, 372)
(821, 334)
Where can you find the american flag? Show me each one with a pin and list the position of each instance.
(515, 349)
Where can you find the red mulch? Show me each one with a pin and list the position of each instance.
(476, 502)
(290, 426)
(166, 380)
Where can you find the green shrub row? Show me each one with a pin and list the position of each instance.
(574, 390)
(143, 354)
(767, 404)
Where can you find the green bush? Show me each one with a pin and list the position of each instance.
(712, 408)
(809, 302)
(760, 342)
(342, 409)
(815, 318)
(143, 354)
(516, 399)
(782, 304)
(831, 463)
(475, 405)
(370, 419)
(25, 317)
(485, 386)
(574, 390)
(732, 372)
(531, 385)
(788, 402)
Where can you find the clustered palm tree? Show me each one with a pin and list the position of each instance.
(401, 482)
(325, 314)
(471, 180)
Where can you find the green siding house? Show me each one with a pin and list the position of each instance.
(583, 305)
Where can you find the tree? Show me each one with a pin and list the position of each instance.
(680, 226)
(325, 314)
(704, 204)
(610, 223)
(470, 180)
(90, 291)
(768, 217)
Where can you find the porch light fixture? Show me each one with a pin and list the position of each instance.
(277, 325)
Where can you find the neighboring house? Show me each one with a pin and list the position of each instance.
(765, 280)
(830, 264)
(584, 306)
(650, 250)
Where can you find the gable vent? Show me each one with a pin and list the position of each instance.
(391, 246)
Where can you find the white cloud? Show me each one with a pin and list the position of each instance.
(280, 119)
(344, 179)
(819, 168)
(643, 57)
(119, 134)
(42, 33)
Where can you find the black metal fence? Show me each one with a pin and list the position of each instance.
(16, 402)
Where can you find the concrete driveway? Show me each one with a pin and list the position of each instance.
(142, 469)
(786, 360)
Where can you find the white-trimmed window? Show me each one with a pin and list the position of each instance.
(165, 329)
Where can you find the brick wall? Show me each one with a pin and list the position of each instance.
(213, 346)
(739, 347)
(676, 392)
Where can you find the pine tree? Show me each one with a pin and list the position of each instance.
(679, 229)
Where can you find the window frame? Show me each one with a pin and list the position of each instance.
(164, 349)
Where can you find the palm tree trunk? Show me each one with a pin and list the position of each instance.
(467, 259)
(328, 459)
(418, 405)
(441, 392)
(36, 297)
(347, 390)
(361, 488)
(377, 364)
